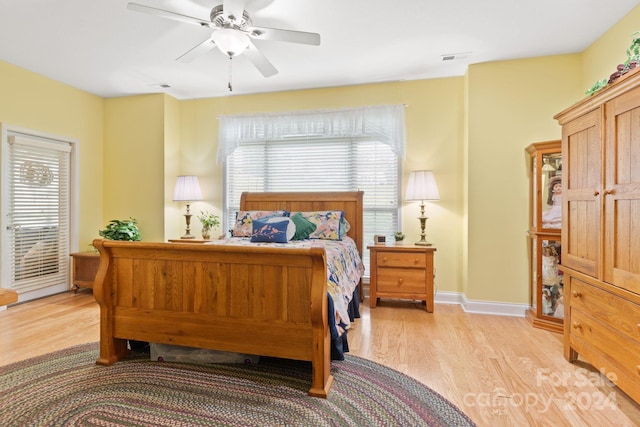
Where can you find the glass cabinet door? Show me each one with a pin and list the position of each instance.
(551, 191)
(546, 283)
(546, 186)
(546, 287)
(551, 286)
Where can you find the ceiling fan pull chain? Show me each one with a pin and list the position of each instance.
(230, 73)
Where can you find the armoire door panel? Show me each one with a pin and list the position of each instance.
(622, 192)
(582, 153)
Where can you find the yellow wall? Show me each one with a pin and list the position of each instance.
(34, 102)
(602, 57)
(171, 166)
(134, 153)
(510, 105)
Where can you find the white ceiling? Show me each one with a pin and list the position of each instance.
(102, 47)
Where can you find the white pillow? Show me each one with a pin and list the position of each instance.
(291, 227)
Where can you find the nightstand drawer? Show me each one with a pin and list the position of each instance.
(401, 280)
(401, 259)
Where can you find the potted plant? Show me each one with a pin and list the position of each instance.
(399, 236)
(209, 221)
(85, 265)
(117, 229)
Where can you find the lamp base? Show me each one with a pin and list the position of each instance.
(188, 236)
(423, 221)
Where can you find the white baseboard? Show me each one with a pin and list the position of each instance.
(493, 307)
(481, 307)
(476, 307)
(443, 297)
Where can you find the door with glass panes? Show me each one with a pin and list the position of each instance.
(35, 214)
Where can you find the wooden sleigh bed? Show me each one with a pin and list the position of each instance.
(267, 301)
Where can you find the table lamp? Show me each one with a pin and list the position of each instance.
(187, 190)
(422, 186)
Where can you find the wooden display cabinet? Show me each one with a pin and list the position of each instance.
(546, 284)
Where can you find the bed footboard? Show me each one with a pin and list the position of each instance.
(265, 301)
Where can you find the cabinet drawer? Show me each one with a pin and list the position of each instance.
(401, 259)
(624, 351)
(620, 314)
(401, 280)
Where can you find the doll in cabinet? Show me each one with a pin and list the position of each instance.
(552, 214)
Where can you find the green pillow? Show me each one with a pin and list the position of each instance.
(304, 227)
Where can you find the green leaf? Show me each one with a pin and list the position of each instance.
(121, 230)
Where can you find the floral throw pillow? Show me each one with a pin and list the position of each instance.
(328, 224)
(243, 227)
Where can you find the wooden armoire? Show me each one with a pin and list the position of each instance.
(601, 231)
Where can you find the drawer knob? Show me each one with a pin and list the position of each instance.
(638, 368)
(609, 191)
(596, 193)
(576, 294)
(384, 259)
(416, 261)
(400, 281)
(577, 325)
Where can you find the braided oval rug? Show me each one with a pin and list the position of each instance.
(67, 388)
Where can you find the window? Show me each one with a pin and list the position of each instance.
(318, 161)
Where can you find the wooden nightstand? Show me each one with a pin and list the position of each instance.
(399, 271)
(85, 267)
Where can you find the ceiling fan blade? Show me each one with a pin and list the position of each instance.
(168, 14)
(275, 34)
(260, 61)
(196, 51)
(233, 8)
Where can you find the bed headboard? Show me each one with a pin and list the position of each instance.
(349, 201)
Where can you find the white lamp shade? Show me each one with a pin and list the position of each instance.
(232, 42)
(187, 189)
(422, 186)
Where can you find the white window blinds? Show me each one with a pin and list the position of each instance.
(39, 214)
(325, 160)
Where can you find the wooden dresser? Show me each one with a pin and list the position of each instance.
(601, 231)
(399, 271)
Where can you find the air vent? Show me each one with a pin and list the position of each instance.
(455, 56)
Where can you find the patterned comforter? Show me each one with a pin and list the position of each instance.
(344, 269)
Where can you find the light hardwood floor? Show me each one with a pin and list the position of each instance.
(499, 370)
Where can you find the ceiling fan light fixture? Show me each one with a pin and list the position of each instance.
(230, 41)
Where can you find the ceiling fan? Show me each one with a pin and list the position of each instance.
(233, 33)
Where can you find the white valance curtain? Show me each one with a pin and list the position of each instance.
(382, 123)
